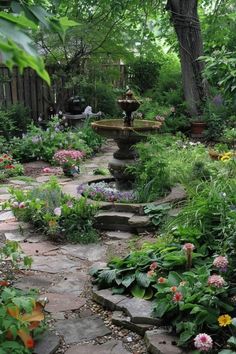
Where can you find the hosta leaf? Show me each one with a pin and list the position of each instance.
(107, 276)
(128, 280)
(232, 341)
(119, 291)
(142, 279)
(137, 291)
(148, 294)
(227, 351)
(162, 306)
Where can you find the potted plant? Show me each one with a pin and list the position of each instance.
(198, 125)
(69, 160)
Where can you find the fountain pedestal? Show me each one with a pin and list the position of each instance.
(126, 138)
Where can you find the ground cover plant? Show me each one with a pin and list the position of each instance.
(58, 215)
(188, 273)
(21, 315)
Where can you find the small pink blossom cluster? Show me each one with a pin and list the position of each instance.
(221, 263)
(203, 342)
(63, 156)
(177, 297)
(18, 205)
(152, 268)
(216, 280)
(187, 247)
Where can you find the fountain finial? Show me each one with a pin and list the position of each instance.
(129, 104)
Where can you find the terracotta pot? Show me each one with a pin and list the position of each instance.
(198, 127)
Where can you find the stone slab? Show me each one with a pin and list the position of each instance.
(18, 182)
(14, 225)
(32, 249)
(119, 235)
(62, 302)
(91, 253)
(47, 344)
(105, 298)
(70, 284)
(79, 329)
(119, 319)
(32, 238)
(139, 221)
(33, 281)
(7, 215)
(110, 347)
(54, 264)
(15, 236)
(140, 311)
(159, 342)
(42, 179)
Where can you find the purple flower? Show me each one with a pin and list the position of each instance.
(217, 100)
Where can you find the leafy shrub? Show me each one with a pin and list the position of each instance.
(41, 144)
(61, 217)
(14, 120)
(144, 74)
(151, 173)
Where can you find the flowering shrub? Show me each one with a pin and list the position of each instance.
(8, 167)
(68, 158)
(106, 192)
(39, 144)
(58, 215)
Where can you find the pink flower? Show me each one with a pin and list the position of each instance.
(57, 211)
(203, 342)
(221, 263)
(150, 273)
(46, 170)
(154, 266)
(161, 280)
(188, 247)
(15, 205)
(21, 205)
(216, 280)
(177, 297)
(64, 156)
(173, 289)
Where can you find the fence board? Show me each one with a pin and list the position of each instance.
(31, 91)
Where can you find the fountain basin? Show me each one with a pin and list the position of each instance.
(115, 129)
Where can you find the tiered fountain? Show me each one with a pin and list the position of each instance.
(125, 216)
(126, 133)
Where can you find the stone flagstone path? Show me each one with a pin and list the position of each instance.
(60, 272)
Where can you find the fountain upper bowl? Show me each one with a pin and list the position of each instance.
(115, 129)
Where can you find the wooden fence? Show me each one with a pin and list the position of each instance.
(31, 91)
(27, 89)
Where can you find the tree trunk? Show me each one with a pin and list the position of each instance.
(184, 17)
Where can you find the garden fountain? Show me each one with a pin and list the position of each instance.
(126, 133)
(118, 205)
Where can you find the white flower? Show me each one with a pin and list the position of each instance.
(57, 211)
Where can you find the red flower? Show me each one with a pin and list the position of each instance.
(161, 280)
(173, 289)
(177, 297)
(9, 167)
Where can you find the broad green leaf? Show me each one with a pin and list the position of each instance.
(162, 306)
(232, 341)
(137, 291)
(142, 279)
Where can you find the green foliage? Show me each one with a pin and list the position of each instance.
(18, 23)
(144, 74)
(61, 217)
(151, 173)
(14, 120)
(42, 144)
